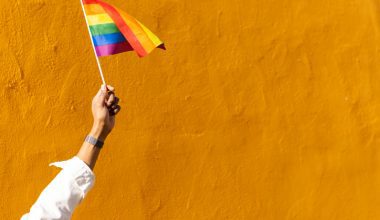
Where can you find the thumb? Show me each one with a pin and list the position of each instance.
(101, 96)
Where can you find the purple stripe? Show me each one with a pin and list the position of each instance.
(110, 49)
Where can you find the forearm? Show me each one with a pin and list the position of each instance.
(88, 153)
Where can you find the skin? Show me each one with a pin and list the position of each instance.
(104, 109)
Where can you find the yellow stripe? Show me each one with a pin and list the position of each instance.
(93, 9)
(99, 19)
(156, 41)
(138, 31)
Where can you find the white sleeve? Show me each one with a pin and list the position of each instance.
(59, 199)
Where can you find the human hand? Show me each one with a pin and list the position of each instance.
(104, 108)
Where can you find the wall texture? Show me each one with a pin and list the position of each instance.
(257, 110)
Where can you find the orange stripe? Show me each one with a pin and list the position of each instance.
(124, 28)
(138, 31)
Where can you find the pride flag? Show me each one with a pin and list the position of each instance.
(114, 31)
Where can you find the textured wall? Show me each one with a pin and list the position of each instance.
(257, 110)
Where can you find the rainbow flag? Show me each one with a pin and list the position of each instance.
(114, 31)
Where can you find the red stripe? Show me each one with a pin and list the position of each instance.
(123, 27)
(90, 1)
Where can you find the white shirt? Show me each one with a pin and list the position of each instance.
(59, 199)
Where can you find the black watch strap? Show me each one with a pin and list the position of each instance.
(97, 143)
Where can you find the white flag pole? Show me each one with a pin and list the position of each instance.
(93, 46)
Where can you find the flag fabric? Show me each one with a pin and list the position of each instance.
(114, 31)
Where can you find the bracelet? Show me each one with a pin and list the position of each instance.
(97, 143)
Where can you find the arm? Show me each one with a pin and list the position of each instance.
(59, 199)
(104, 108)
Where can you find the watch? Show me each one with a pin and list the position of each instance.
(97, 143)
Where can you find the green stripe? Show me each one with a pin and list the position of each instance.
(102, 29)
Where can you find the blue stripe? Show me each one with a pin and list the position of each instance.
(105, 39)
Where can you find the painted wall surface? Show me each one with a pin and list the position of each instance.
(257, 110)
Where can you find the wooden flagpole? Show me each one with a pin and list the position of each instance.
(93, 46)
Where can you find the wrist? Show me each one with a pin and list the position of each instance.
(98, 132)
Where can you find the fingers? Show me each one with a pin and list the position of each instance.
(104, 94)
(110, 88)
(114, 107)
(106, 97)
(111, 99)
(114, 102)
(111, 96)
(114, 110)
(100, 96)
(117, 109)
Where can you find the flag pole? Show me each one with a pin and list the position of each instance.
(93, 46)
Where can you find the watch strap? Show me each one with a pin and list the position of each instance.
(97, 143)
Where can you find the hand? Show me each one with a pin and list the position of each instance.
(104, 108)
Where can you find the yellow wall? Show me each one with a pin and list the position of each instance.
(257, 110)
